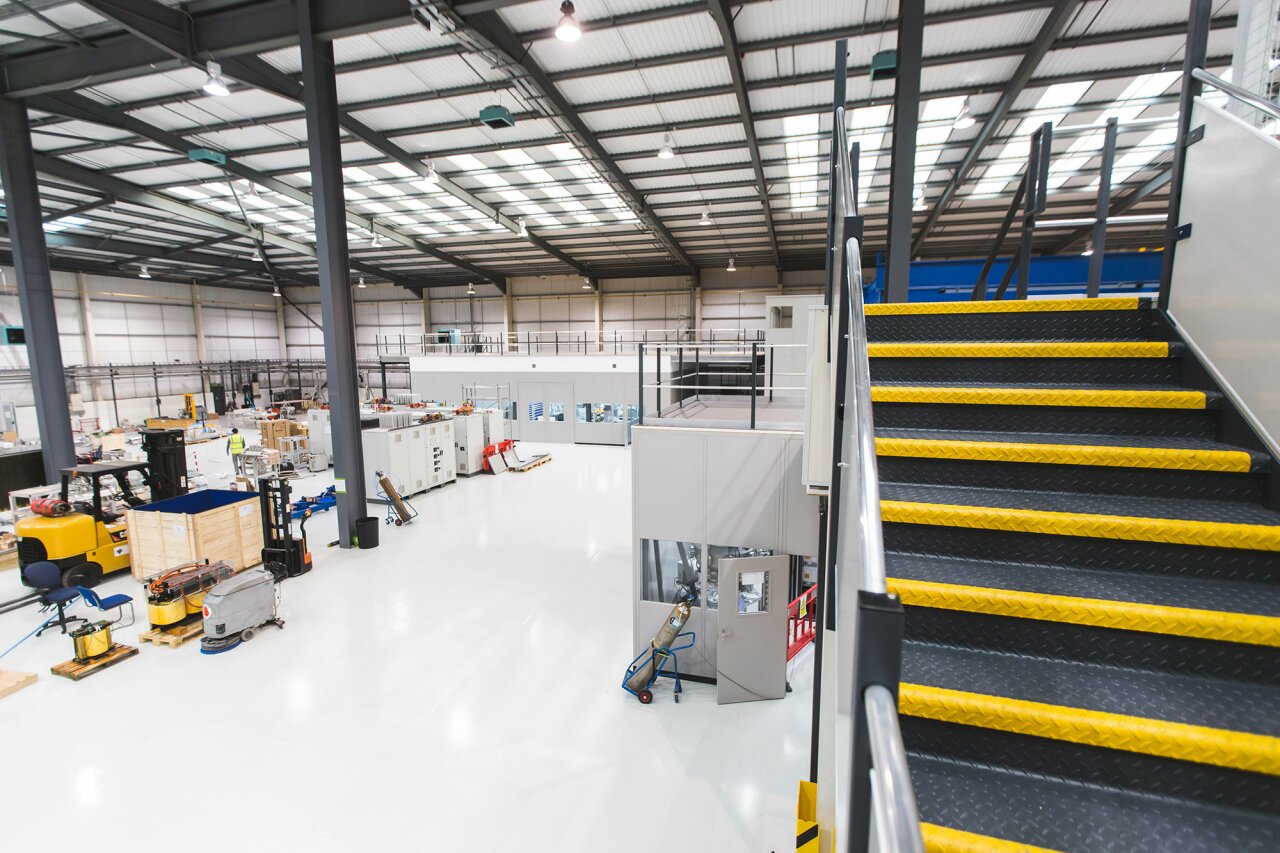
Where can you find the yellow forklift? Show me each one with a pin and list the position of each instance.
(85, 538)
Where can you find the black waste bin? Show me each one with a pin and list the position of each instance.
(367, 532)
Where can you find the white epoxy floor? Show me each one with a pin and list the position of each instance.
(458, 687)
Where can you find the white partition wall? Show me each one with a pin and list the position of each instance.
(1225, 296)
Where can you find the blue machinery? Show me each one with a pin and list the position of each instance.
(326, 500)
(657, 659)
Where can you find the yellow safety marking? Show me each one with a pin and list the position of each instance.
(1023, 349)
(1101, 613)
(1109, 398)
(1201, 744)
(1183, 459)
(1012, 306)
(1176, 531)
(806, 836)
(940, 839)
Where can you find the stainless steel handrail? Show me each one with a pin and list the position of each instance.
(898, 819)
(1251, 98)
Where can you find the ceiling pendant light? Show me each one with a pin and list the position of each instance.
(471, 289)
(377, 241)
(586, 283)
(257, 255)
(917, 201)
(431, 177)
(275, 291)
(732, 267)
(524, 228)
(250, 191)
(965, 118)
(567, 29)
(666, 152)
(706, 217)
(1088, 249)
(144, 273)
(215, 84)
(360, 283)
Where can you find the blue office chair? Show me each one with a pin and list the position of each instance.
(112, 602)
(47, 577)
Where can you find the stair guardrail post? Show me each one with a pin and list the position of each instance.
(1099, 246)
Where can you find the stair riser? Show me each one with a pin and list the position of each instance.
(1182, 423)
(1043, 326)
(1154, 776)
(1084, 552)
(1087, 479)
(1106, 646)
(1016, 372)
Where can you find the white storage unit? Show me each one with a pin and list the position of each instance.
(469, 442)
(495, 426)
(318, 431)
(415, 458)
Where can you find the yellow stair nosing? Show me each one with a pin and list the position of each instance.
(1213, 534)
(1107, 398)
(1015, 306)
(1111, 456)
(1021, 349)
(942, 839)
(1181, 741)
(1223, 626)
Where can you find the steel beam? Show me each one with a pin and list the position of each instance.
(902, 163)
(487, 34)
(77, 106)
(321, 99)
(722, 14)
(1056, 21)
(35, 289)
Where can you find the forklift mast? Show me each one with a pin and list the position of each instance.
(166, 451)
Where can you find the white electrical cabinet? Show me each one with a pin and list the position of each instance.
(318, 431)
(469, 441)
(415, 458)
(495, 426)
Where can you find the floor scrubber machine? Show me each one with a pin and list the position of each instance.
(237, 608)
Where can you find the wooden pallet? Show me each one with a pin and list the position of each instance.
(174, 636)
(533, 463)
(75, 670)
(12, 681)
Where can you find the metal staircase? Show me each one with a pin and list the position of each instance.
(1086, 539)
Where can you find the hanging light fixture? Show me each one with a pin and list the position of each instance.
(732, 267)
(144, 273)
(666, 152)
(471, 289)
(965, 118)
(567, 29)
(917, 201)
(431, 177)
(706, 216)
(257, 255)
(275, 291)
(251, 191)
(1088, 249)
(215, 84)
(360, 283)
(524, 228)
(586, 282)
(377, 241)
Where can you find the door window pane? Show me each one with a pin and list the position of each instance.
(753, 592)
(556, 411)
(536, 412)
(667, 568)
(584, 413)
(716, 553)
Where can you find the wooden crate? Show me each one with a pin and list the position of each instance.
(214, 524)
(270, 432)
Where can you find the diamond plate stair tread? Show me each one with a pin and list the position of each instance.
(1225, 512)
(1012, 306)
(1070, 816)
(1026, 349)
(1165, 442)
(1198, 701)
(1142, 588)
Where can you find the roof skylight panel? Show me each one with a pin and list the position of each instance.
(515, 157)
(398, 169)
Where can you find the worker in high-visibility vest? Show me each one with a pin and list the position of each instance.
(235, 446)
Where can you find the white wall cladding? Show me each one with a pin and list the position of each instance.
(137, 321)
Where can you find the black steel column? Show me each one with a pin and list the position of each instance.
(1197, 48)
(321, 101)
(1099, 244)
(902, 165)
(841, 84)
(35, 289)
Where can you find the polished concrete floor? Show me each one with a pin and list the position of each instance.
(458, 688)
